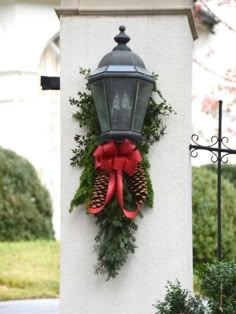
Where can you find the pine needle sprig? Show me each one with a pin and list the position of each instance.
(115, 240)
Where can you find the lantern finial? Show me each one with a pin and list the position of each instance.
(122, 39)
(122, 28)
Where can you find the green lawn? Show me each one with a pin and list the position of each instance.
(29, 270)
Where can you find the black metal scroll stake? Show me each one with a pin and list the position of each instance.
(220, 151)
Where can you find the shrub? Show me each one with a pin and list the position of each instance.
(25, 205)
(205, 217)
(178, 301)
(218, 284)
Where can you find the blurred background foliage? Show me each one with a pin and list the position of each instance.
(205, 213)
(25, 205)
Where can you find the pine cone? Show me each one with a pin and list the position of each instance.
(100, 189)
(137, 184)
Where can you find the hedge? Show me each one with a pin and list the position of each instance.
(205, 217)
(25, 205)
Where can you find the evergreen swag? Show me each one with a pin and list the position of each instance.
(116, 236)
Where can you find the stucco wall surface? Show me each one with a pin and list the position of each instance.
(164, 235)
(29, 118)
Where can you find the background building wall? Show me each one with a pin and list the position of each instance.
(214, 76)
(29, 118)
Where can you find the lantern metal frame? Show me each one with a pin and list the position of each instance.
(121, 63)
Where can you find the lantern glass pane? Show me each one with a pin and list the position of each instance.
(121, 68)
(144, 71)
(99, 95)
(143, 96)
(121, 96)
(99, 70)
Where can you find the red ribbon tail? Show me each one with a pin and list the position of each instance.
(110, 192)
(129, 214)
(95, 210)
(119, 191)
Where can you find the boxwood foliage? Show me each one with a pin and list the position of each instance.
(218, 285)
(25, 205)
(217, 293)
(205, 217)
(179, 301)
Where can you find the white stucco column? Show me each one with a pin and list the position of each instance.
(162, 33)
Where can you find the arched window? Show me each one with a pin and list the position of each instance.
(50, 60)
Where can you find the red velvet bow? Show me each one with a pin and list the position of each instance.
(116, 159)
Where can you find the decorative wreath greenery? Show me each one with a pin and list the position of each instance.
(116, 236)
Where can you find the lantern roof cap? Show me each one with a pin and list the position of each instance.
(121, 54)
(121, 39)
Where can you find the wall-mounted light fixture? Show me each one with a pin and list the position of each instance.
(121, 87)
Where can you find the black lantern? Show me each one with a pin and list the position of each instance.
(121, 87)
